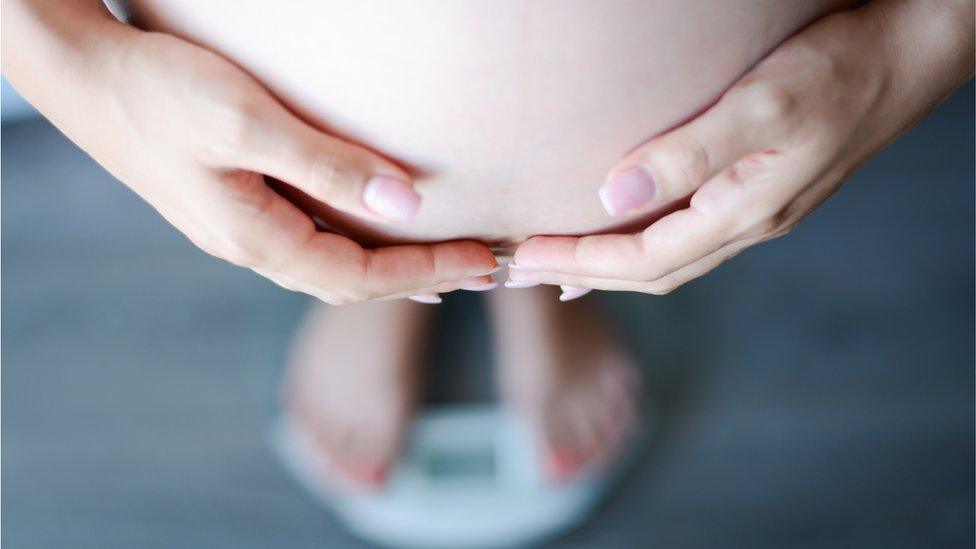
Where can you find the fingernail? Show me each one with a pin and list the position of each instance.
(512, 268)
(572, 292)
(493, 270)
(430, 299)
(627, 191)
(482, 287)
(391, 198)
(520, 283)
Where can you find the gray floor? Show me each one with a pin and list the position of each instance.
(816, 392)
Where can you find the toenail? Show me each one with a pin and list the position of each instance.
(564, 464)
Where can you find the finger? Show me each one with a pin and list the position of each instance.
(791, 216)
(739, 201)
(427, 295)
(522, 278)
(703, 266)
(345, 176)
(260, 229)
(672, 242)
(672, 166)
(472, 284)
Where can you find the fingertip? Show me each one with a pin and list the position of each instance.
(524, 255)
(478, 258)
(484, 287)
(542, 253)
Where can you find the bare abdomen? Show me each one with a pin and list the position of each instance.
(509, 113)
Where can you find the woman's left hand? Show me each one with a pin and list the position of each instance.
(772, 149)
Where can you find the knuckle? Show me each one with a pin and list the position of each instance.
(236, 127)
(239, 126)
(763, 228)
(684, 162)
(774, 225)
(769, 102)
(252, 199)
(237, 247)
(324, 176)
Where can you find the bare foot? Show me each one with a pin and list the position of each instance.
(352, 382)
(564, 371)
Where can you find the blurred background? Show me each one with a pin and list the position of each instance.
(817, 391)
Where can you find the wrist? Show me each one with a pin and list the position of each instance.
(927, 45)
(48, 49)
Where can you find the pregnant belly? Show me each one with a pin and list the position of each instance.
(508, 113)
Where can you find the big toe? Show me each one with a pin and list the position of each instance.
(569, 442)
(589, 429)
(373, 447)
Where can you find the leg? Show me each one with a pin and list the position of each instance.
(563, 370)
(352, 381)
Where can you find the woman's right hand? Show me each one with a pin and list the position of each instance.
(194, 135)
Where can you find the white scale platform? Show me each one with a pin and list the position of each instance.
(470, 477)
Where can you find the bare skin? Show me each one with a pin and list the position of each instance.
(776, 143)
(352, 382)
(507, 114)
(354, 372)
(563, 368)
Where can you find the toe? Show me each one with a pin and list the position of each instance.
(378, 445)
(621, 388)
(563, 465)
(565, 443)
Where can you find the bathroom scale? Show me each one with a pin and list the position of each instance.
(468, 477)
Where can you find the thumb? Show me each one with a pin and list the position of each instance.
(345, 176)
(674, 165)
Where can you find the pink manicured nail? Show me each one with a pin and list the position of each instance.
(391, 198)
(482, 287)
(572, 292)
(520, 283)
(629, 190)
(429, 299)
(493, 270)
